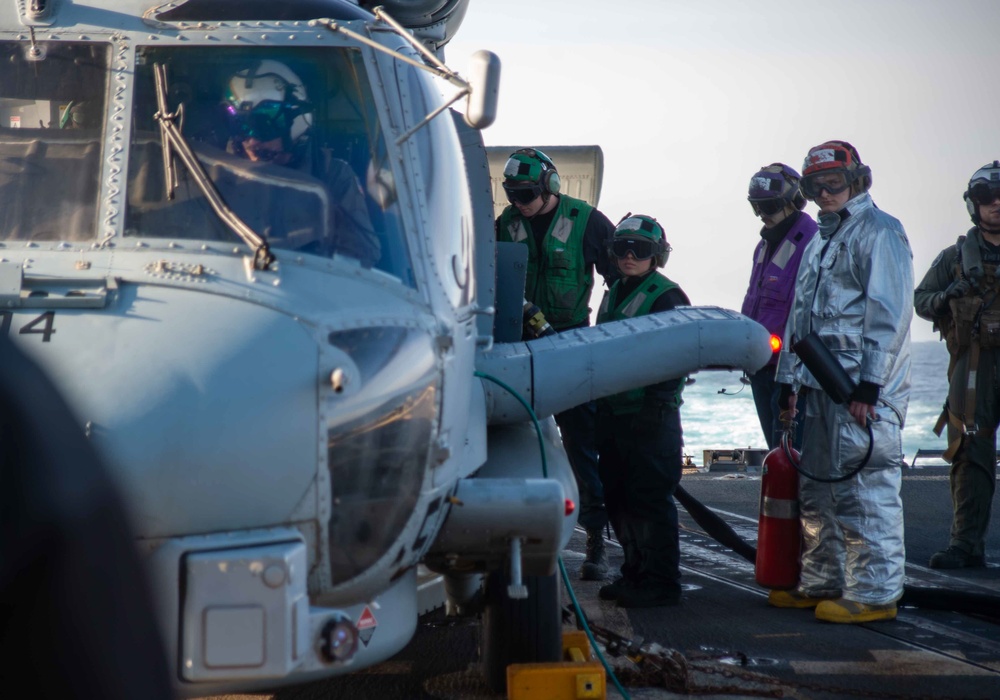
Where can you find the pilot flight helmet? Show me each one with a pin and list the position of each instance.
(642, 236)
(837, 158)
(528, 174)
(265, 101)
(774, 187)
(984, 188)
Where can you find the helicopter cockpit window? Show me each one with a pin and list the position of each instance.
(291, 140)
(52, 97)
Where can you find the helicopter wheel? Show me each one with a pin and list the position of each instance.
(528, 630)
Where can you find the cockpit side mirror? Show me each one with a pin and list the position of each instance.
(484, 81)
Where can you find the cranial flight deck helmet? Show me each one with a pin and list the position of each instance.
(774, 187)
(834, 157)
(267, 100)
(984, 188)
(642, 236)
(529, 173)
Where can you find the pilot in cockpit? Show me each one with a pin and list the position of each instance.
(270, 119)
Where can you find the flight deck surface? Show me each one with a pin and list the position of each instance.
(732, 643)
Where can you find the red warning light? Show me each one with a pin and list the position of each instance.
(775, 343)
(570, 506)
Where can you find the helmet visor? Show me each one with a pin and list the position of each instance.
(641, 248)
(834, 182)
(522, 194)
(984, 193)
(265, 121)
(767, 207)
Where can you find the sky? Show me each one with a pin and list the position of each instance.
(689, 99)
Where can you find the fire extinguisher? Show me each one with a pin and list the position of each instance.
(779, 539)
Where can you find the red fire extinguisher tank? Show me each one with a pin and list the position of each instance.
(779, 538)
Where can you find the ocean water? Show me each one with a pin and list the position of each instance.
(728, 420)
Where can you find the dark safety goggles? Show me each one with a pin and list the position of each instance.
(767, 207)
(641, 248)
(834, 183)
(522, 194)
(265, 121)
(983, 193)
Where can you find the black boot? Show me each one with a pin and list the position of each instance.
(611, 591)
(650, 594)
(956, 558)
(595, 566)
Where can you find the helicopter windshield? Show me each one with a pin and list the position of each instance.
(51, 115)
(291, 140)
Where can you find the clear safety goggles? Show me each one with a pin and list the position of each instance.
(833, 182)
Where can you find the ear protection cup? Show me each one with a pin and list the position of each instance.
(664, 254)
(551, 182)
(971, 207)
(863, 174)
(865, 178)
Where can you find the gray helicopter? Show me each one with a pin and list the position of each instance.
(252, 244)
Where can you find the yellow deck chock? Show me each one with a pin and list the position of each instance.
(578, 677)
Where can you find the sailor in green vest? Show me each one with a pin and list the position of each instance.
(639, 432)
(567, 241)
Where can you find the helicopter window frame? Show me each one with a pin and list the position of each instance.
(64, 85)
(444, 198)
(346, 133)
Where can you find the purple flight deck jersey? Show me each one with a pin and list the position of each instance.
(772, 282)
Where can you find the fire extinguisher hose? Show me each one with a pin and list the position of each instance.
(835, 479)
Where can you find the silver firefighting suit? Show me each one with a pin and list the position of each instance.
(854, 290)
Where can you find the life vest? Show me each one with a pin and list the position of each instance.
(637, 303)
(558, 281)
(975, 316)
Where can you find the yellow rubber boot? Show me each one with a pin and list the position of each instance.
(792, 599)
(852, 612)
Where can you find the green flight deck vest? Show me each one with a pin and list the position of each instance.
(557, 281)
(638, 303)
